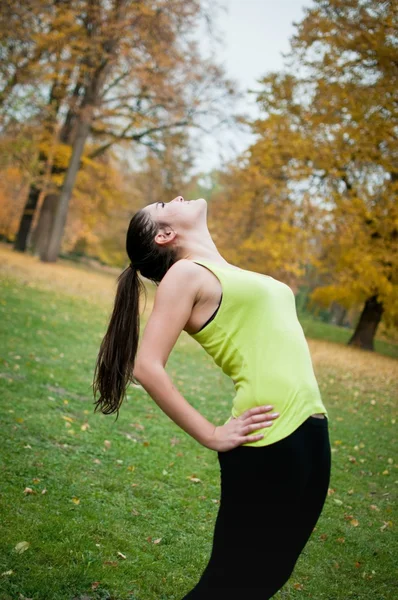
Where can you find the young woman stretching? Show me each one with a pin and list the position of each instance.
(275, 466)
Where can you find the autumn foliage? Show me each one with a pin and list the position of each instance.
(319, 186)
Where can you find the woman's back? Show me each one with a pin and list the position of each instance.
(257, 340)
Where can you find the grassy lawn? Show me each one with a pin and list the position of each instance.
(318, 330)
(125, 510)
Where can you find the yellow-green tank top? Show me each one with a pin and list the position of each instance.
(257, 340)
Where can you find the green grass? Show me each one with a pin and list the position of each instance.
(103, 498)
(318, 330)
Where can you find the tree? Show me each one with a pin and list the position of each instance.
(327, 148)
(350, 50)
(136, 75)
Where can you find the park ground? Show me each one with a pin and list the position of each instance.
(96, 509)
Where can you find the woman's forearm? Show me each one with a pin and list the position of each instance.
(159, 386)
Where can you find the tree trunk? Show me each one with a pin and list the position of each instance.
(27, 218)
(41, 233)
(50, 253)
(338, 314)
(369, 320)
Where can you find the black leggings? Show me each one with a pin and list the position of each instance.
(271, 499)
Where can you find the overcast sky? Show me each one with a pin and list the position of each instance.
(254, 33)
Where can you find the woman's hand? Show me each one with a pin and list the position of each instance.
(235, 432)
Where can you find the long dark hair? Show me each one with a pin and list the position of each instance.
(115, 361)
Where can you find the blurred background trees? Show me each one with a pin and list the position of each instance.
(98, 104)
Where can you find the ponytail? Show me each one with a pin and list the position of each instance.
(115, 361)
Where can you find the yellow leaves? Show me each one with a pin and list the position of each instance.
(354, 522)
(75, 500)
(21, 547)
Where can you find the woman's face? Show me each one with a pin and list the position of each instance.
(180, 214)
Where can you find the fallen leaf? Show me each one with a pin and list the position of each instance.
(94, 585)
(298, 586)
(340, 540)
(10, 572)
(44, 491)
(85, 426)
(337, 501)
(386, 524)
(111, 563)
(107, 444)
(21, 547)
(157, 541)
(354, 522)
(75, 500)
(137, 426)
(122, 555)
(69, 419)
(194, 479)
(28, 490)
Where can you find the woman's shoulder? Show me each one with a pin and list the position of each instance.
(182, 268)
(182, 272)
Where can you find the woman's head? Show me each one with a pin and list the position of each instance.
(158, 235)
(161, 233)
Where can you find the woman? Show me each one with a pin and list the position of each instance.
(274, 450)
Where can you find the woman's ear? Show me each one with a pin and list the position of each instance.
(165, 235)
